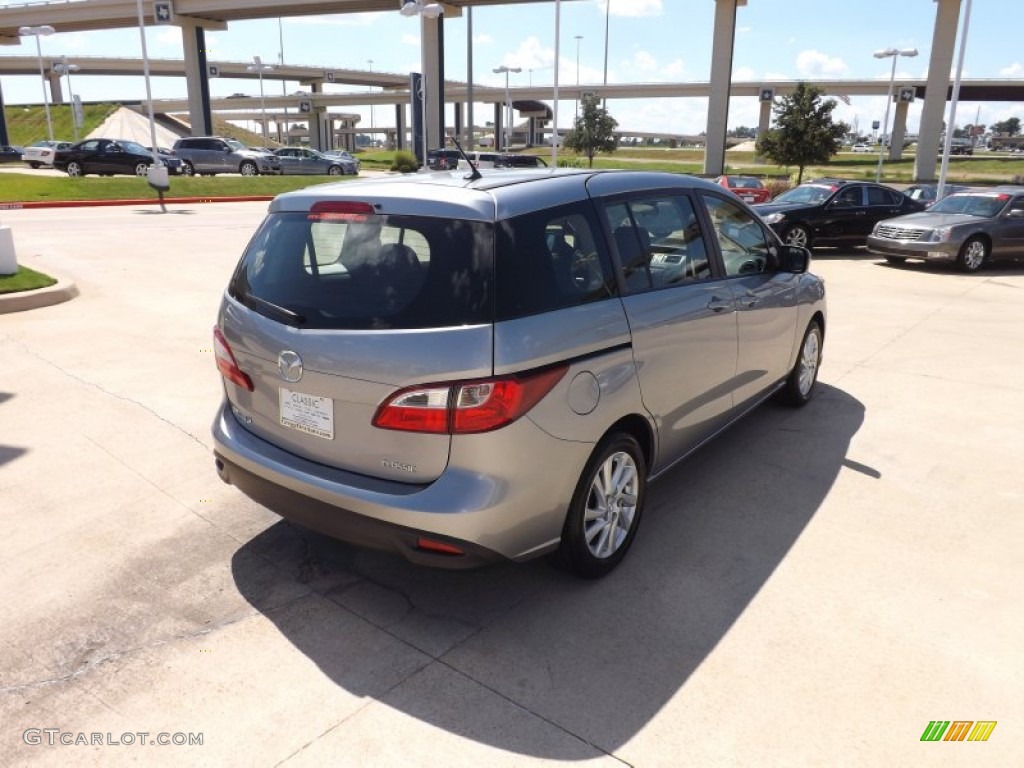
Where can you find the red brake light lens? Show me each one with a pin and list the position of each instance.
(226, 363)
(466, 407)
(340, 210)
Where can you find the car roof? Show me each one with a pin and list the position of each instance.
(496, 194)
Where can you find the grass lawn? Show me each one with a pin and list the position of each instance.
(24, 279)
(24, 187)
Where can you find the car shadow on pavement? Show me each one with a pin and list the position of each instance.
(591, 661)
(8, 453)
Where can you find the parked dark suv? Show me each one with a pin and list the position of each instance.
(210, 155)
(468, 370)
(833, 211)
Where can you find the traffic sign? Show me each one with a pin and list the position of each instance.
(163, 12)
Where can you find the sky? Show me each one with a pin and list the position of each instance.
(648, 41)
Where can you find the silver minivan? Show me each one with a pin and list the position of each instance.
(464, 370)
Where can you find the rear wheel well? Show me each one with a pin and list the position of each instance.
(637, 426)
(819, 318)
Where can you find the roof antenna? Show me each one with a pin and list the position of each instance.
(474, 173)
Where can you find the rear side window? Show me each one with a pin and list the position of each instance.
(359, 271)
(547, 260)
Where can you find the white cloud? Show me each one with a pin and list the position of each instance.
(644, 62)
(483, 39)
(813, 63)
(675, 69)
(410, 39)
(634, 8)
(170, 36)
(1014, 70)
(744, 30)
(743, 73)
(340, 20)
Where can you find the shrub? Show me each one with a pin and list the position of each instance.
(405, 162)
(776, 187)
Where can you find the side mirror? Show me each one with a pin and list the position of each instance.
(793, 258)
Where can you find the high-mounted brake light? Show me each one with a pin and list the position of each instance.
(340, 210)
(468, 406)
(226, 363)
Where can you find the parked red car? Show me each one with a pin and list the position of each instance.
(748, 188)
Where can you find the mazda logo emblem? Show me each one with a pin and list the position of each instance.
(290, 365)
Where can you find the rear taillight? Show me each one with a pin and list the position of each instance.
(226, 363)
(467, 406)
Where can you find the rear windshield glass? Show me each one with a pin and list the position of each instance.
(359, 271)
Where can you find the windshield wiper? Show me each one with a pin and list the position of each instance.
(287, 315)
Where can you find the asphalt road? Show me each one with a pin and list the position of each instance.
(812, 589)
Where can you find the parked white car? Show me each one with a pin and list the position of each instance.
(861, 147)
(43, 152)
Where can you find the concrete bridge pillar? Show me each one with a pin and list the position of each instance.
(947, 19)
(723, 38)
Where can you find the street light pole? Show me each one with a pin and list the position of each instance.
(894, 53)
(259, 67)
(37, 32)
(373, 135)
(67, 69)
(508, 103)
(577, 114)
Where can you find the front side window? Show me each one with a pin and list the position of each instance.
(741, 240)
(658, 241)
(365, 271)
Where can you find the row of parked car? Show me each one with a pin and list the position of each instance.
(193, 155)
(967, 228)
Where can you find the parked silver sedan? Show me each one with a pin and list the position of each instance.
(301, 161)
(966, 229)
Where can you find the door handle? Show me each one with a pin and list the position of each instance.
(719, 305)
(749, 301)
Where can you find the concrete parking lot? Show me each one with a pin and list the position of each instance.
(812, 589)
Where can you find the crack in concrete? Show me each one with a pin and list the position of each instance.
(115, 395)
(117, 655)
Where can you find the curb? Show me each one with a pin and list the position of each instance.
(61, 291)
(135, 201)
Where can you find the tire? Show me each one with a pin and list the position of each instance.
(187, 169)
(34, 165)
(597, 534)
(973, 255)
(798, 234)
(800, 385)
(896, 261)
(75, 169)
(335, 170)
(142, 170)
(248, 168)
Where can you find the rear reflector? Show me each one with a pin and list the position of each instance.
(226, 363)
(466, 407)
(430, 545)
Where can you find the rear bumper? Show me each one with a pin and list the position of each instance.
(346, 525)
(516, 515)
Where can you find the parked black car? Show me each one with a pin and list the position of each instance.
(10, 154)
(833, 211)
(107, 157)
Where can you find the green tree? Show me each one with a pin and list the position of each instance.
(804, 132)
(1010, 126)
(594, 130)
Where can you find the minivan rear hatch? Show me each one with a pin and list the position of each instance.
(333, 309)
